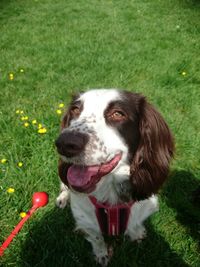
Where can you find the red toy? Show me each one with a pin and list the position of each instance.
(39, 199)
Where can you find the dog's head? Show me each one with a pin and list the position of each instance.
(104, 130)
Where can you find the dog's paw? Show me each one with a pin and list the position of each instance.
(138, 234)
(102, 259)
(142, 236)
(62, 200)
(103, 255)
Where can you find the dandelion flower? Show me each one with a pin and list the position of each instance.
(59, 111)
(11, 76)
(10, 190)
(26, 124)
(34, 121)
(42, 130)
(24, 118)
(17, 111)
(39, 126)
(3, 161)
(183, 73)
(21, 112)
(20, 164)
(22, 214)
(61, 105)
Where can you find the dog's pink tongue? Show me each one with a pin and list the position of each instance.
(81, 175)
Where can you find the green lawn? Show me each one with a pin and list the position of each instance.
(54, 48)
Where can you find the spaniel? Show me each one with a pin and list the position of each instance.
(115, 149)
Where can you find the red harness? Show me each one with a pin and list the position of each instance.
(112, 219)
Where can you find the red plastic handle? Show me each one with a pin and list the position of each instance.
(39, 199)
(16, 230)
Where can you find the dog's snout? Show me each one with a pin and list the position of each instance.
(71, 144)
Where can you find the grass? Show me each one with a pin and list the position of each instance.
(63, 46)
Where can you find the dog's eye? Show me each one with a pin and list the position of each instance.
(118, 115)
(75, 111)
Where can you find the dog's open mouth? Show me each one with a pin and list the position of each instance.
(85, 178)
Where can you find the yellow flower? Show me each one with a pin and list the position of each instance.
(34, 121)
(22, 214)
(42, 130)
(10, 190)
(21, 70)
(39, 126)
(61, 105)
(183, 73)
(26, 124)
(24, 118)
(21, 112)
(11, 76)
(20, 164)
(3, 161)
(17, 111)
(59, 111)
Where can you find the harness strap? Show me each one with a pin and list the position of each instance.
(112, 219)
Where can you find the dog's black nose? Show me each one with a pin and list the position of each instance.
(71, 144)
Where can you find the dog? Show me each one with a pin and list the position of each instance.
(115, 149)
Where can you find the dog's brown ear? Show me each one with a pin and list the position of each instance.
(150, 165)
(62, 170)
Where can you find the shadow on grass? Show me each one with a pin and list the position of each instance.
(4, 3)
(193, 3)
(181, 194)
(53, 242)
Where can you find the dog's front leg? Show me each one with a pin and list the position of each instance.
(139, 213)
(86, 221)
(99, 247)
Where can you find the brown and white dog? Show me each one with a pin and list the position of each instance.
(115, 149)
